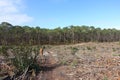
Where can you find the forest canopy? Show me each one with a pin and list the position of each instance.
(26, 35)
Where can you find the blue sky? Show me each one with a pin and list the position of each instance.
(61, 13)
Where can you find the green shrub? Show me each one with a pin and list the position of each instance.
(113, 49)
(22, 57)
(74, 50)
(89, 48)
(105, 78)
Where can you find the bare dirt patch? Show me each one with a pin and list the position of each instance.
(88, 61)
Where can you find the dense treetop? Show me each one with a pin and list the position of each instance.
(25, 35)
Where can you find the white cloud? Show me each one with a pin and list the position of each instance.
(11, 11)
(16, 18)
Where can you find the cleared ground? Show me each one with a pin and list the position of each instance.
(86, 61)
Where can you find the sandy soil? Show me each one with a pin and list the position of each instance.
(86, 61)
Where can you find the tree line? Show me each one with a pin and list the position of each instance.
(25, 35)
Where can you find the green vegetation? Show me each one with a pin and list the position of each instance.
(74, 50)
(21, 57)
(25, 35)
(105, 78)
(116, 54)
(89, 48)
(113, 49)
(74, 63)
(63, 62)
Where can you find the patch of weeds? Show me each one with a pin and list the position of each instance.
(116, 55)
(63, 62)
(74, 63)
(105, 78)
(74, 50)
(113, 49)
(89, 48)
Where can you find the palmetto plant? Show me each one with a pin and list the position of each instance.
(23, 58)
